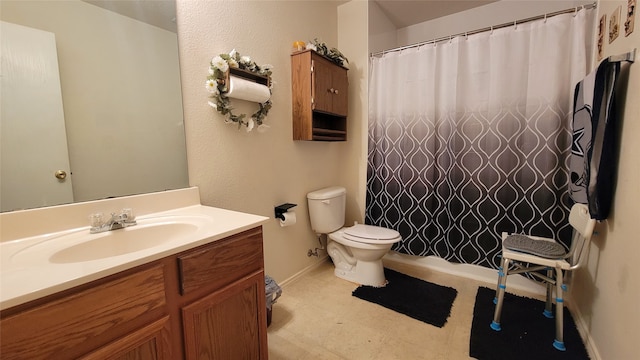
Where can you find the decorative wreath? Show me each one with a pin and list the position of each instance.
(217, 86)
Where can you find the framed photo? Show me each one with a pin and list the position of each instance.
(614, 24)
(631, 16)
(602, 27)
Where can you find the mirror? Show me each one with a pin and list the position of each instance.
(119, 101)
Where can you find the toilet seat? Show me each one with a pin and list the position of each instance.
(370, 234)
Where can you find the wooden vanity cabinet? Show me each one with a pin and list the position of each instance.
(320, 98)
(224, 311)
(204, 303)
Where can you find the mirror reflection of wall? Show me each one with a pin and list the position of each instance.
(122, 102)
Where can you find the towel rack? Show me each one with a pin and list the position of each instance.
(630, 57)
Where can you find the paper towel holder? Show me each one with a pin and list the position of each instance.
(247, 75)
(281, 209)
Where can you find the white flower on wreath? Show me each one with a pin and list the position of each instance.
(250, 124)
(212, 86)
(220, 63)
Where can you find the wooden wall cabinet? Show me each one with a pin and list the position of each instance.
(320, 97)
(205, 303)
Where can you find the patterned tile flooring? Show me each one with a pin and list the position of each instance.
(317, 318)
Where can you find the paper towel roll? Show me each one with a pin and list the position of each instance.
(289, 219)
(247, 90)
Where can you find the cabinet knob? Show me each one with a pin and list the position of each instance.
(330, 90)
(335, 91)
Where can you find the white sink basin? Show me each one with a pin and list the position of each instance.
(81, 246)
(123, 241)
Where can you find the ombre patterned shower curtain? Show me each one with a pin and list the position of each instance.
(471, 137)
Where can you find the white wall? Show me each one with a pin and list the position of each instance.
(383, 34)
(352, 37)
(253, 172)
(606, 293)
(480, 17)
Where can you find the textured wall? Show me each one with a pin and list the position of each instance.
(253, 172)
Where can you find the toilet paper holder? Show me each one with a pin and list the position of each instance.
(281, 209)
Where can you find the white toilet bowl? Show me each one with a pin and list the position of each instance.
(357, 252)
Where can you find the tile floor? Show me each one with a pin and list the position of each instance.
(317, 318)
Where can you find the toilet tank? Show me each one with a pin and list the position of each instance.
(327, 209)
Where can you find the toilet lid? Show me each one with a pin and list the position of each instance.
(371, 234)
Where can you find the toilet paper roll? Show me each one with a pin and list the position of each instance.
(247, 90)
(289, 219)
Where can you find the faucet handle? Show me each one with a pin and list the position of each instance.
(96, 220)
(128, 214)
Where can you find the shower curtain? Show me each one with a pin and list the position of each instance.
(471, 137)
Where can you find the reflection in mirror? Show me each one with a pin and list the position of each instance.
(93, 86)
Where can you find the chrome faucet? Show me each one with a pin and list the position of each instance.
(117, 221)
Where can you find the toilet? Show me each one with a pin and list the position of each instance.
(356, 251)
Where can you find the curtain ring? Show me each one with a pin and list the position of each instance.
(575, 12)
(515, 24)
(545, 18)
(450, 38)
(466, 36)
(491, 33)
(435, 44)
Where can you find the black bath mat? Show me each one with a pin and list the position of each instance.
(413, 297)
(525, 334)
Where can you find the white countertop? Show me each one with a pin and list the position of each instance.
(28, 277)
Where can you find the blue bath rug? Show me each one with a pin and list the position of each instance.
(526, 333)
(418, 299)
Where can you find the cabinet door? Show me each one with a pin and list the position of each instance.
(330, 87)
(149, 343)
(322, 84)
(340, 85)
(228, 324)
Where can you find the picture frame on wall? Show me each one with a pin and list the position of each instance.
(614, 24)
(602, 27)
(631, 15)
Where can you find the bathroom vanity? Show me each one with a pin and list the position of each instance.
(195, 296)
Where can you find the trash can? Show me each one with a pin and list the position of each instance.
(272, 292)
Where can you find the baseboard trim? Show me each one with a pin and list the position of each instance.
(307, 269)
(583, 330)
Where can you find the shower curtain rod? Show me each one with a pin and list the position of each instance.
(489, 28)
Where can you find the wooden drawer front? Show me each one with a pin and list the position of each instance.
(221, 262)
(70, 326)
